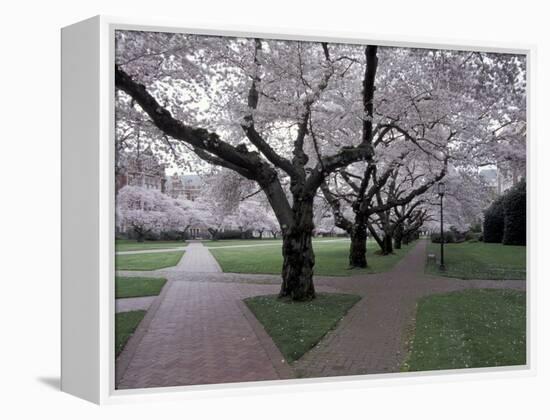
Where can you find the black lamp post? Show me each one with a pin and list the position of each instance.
(441, 192)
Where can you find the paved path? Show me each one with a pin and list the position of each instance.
(199, 333)
(197, 259)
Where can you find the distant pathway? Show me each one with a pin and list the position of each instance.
(198, 331)
(197, 259)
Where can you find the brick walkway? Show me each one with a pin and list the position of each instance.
(199, 333)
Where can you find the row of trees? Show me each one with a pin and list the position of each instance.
(370, 129)
(149, 213)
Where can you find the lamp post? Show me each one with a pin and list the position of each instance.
(441, 192)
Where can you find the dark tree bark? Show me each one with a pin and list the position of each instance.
(379, 240)
(356, 230)
(388, 245)
(398, 236)
(358, 245)
(298, 256)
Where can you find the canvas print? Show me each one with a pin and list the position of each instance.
(290, 209)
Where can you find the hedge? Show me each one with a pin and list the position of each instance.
(505, 220)
(515, 216)
(449, 236)
(493, 222)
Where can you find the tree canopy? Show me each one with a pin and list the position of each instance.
(374, 127)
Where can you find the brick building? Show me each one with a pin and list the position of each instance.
(142, 170)
(187, 187)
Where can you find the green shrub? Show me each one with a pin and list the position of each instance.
(471, 236)
(515, 216)
(233, 234)
(449, 237)
(493, 222)
(506, 219)
(476, 228)
(173, 235)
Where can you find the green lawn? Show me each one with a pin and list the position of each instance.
(296, 327)
(331, 259)
(474, 328)
(125, 325)
(147, 262)
(269, 241)
(126, 287)
(479, 260)
(129, 245)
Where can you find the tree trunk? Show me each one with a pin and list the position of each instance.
(298, 256)
(388, 244)
(358, 246)
(140, 234)
(214, 233)
(398, 237)
(376, 236)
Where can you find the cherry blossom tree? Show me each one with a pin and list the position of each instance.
(149, 211)
(432, 107)
(293, 116)
(254, 216)
(288, 88)
(366, 198)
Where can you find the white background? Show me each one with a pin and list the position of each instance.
(30, 178)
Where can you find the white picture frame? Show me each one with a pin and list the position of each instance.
(88, 214)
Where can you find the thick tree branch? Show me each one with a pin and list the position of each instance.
(339, 218)
(300, 158)
(209, 144)
(368, 91)
(363, 151)
(249, 127)
(196, 137)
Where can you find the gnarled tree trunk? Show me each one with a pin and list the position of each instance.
(398, 236)
(298, 256)
(388, 244)
(358, 245)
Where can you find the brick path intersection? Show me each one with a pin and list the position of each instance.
(199, 332)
